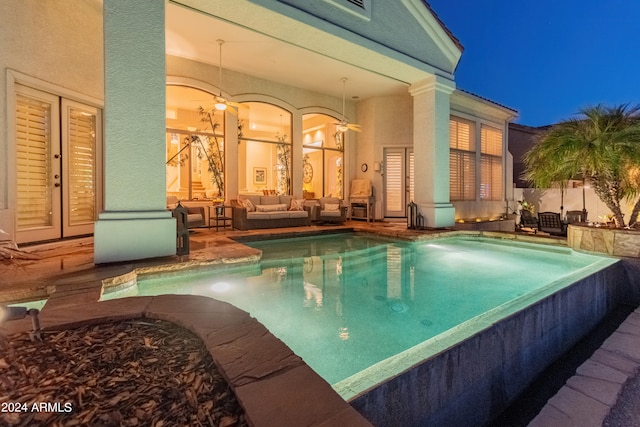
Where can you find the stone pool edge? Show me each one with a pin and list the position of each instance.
(272, 384)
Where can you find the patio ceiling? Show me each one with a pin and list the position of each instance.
(192, 34)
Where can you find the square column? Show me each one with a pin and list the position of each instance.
(136, 223)
(431, 111)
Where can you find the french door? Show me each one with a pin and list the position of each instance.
(398, 181)
(57, 173)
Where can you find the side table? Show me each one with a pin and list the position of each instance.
(221, 217)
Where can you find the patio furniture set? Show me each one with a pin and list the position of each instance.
(550, 222)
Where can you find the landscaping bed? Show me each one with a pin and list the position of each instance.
(126, 373)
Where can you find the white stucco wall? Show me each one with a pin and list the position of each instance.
(58, 46)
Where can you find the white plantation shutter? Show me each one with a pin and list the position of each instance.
(393, 182)
(491, 164)
(81, 162)
(462, 171)
(491, 141)
(462, 163)
(33, 135)
(460, 136)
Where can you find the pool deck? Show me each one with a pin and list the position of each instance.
(64, 274)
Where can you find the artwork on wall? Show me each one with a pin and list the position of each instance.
(260, 176)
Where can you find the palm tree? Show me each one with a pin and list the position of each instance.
(602, 145)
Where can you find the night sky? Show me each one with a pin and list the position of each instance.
(547, 58)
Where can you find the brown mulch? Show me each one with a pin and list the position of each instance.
(139, 372)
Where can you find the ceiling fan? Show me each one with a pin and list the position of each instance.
(343, 126)
(221, 103)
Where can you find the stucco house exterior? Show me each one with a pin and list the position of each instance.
(99, 114)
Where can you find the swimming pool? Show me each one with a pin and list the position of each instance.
(347, 303)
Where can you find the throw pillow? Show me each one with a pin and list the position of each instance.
(271, 208)
(297, 205)
(331, 206)
(248, 204)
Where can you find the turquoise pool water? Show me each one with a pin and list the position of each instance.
(345, 302)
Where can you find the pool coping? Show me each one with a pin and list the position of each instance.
(272, 384)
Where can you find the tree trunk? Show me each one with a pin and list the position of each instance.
(633, 219)
(609, 195)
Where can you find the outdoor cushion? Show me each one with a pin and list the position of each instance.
(335, 212)
(331, 207)
(286, 200)
(258, 215)
(271, 208)
(297, 205)
(255, 199)
(248, 204)
(324, 200)
(298, 214)
(269, 200)
(280, 215)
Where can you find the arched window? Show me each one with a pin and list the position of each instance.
(264, 150)
(322, 156)
(194, 145)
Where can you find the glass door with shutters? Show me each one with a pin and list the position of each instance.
(81, 125)
(398, 181)
(57, 178)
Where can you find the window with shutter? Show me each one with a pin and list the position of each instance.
(393, 182)
(462, 159)
(491, 163)
(33, 136)
(81, 161)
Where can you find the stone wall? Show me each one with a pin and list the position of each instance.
(610, 241)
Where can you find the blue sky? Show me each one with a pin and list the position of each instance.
(547, 58)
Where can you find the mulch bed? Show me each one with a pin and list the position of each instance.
(139, 372)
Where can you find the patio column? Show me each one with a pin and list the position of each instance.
(431, 110)
(135, 223)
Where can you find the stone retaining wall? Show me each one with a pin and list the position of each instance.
(610, 241)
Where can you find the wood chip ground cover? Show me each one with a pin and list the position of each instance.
(131, 373)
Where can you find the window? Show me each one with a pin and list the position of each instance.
(264, 150)
(491, 163)
(462, 159)
(194, 145)
(322, 156)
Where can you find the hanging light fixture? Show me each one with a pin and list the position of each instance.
(343, 126)
(221, 103)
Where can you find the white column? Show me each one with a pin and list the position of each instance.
(135, 223)
(431, 110)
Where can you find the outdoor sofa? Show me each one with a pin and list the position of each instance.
(255, 211)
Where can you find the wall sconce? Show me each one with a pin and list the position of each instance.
(377, 166)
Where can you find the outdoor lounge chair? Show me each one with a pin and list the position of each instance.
(527, 220)
(551, 222)
(331, 209)
(575, 216)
